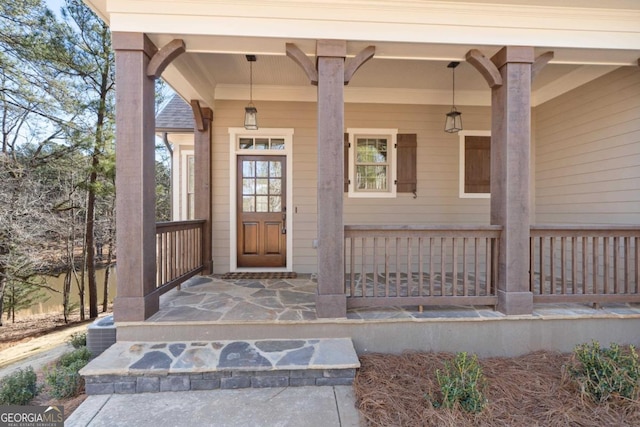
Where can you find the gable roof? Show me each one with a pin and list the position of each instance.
(175, 116)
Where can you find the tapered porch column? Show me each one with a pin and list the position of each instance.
(510, 158)
(135, 178)
(202, 173)
(331, 300)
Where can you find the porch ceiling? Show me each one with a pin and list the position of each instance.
(392, 76)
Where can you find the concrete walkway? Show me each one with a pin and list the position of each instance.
(272, 407)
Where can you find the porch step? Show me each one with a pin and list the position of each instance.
(143, 367)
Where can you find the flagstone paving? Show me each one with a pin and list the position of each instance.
(213, 299)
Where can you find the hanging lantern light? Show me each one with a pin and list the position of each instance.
(453, 121)
(250, 111)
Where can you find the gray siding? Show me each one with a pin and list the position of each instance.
(587, 153)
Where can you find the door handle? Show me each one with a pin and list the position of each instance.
(284, 230)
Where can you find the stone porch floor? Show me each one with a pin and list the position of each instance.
(212, 299)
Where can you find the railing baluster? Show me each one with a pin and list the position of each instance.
(363, 271)
(596, 261)
(563, 260)
(543, 279)
(627, 249)
(585, 263)
(409, 269)
(454, 265)
(375, 266)
(352, 267)
(552, 263)
(476, 263)
(574, 265)
(465, 289)
(386, 266)
(616, 262)
(431, 268)
(487, 267)
(397, 266)
(443, 272)
(420, 268)
(636, 265)
(605, 256)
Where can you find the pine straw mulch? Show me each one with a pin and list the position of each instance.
(395, 390)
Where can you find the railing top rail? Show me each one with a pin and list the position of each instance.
(423, 230)
(580, 230)
(179, 224)
(436, 227)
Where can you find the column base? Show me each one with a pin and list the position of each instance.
(514, 303)
(331, 306)
(135, 309)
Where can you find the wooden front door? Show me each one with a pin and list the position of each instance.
(262, 212)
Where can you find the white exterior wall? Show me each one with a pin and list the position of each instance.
(588, 153)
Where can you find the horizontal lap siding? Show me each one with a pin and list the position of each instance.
(437, 166)
(587, 152)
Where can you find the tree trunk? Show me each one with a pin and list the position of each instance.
(66, 290)
(89, 234)
(3, 283)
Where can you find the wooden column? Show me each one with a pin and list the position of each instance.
(202, 190)
(135, 178)
(510, 158)
(331, 299)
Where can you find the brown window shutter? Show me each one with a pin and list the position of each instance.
(477, 164)
(346, 162)
(407, 180)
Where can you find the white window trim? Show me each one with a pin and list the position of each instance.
(461, 135)
(180, 181)
(234, 137)
(392, 151)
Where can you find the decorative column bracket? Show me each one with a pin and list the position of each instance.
(485, 66)
(164, 57)
(299, 57)
(490, 72)
(201, 124)
(351, 65)
(540, 62)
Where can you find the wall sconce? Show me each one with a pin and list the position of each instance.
(453, 122)
(250, 111)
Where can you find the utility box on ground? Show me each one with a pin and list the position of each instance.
(101, 335)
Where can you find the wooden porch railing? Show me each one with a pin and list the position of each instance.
(178, 252)
(585, 264)
(419, 265)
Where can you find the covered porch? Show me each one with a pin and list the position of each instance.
(449, 250)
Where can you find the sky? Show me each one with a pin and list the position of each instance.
(55, 5)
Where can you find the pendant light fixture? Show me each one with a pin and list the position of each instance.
(250, 111)
(453, 122)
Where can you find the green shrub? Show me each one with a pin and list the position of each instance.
(79, 339)
(80, 354)
(606, 373)
(462, 383)
(19, 387)
(64, 379)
